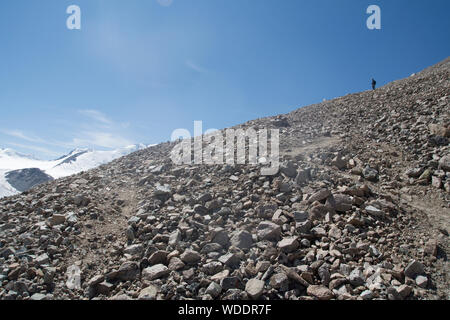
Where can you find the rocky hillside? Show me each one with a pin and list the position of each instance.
(358, 210)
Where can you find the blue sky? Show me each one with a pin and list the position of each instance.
(139, 69)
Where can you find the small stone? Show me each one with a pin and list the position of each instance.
(280, 281)
(42, 259)
(356, 278)
(334, 233)
(413, 269)
(104, 288)
(320, 195)
(174, 238)
(288, 169)
(155, 272)
(267, 230)
(404, 291)
(57, 219)
(230, 283)
(230, 259)
(343, 202)
(128, 271)
(431, 247)
(38, 297)
(148, 293)
(444, 163)
(221, 237)
(288, 244)
(422, 281)
(374, 211)
(300, 216)
(214, 289)
(320, 292)
(134, 249)
(176, 264)
(367, 295)
(254, 288)
(370, 174)
(242, 239)
(190, 257)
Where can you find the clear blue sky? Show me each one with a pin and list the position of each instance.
(137, 69)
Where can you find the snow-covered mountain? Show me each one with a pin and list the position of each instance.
(12, 164)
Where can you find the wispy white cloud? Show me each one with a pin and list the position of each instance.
(21, 135)
(35, 148)
(96, 115)
(165, 3)
(100, 139)
(194, 66)
(95, 130)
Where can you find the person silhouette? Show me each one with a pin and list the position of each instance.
(374, 83)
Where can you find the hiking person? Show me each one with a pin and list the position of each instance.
(374, 83)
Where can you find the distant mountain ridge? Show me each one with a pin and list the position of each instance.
(20, 172)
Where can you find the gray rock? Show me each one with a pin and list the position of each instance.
(280, 281)
(414, 268)
(343, 202)
(288, 244)
(267, 230)
(214, 289)
(374, 211)
(422, 281)
(444, 163)
(370, 174)
(254, 288)
(320, 292)
(320, 195)
(155, 272)
(148, 293)
(301, 216)
(230, 259)
(288, 169)
(134, 249)
(242, 239)
(367, 295)
(190, 257)
(356, 278)
(57, 219)
(221, 237)
(128, 271)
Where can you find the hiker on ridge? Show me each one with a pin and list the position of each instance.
(374, 83)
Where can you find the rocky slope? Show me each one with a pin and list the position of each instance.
(358, 210)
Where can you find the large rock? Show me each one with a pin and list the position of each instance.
(440, 130)
(190, 257)
(370, 174)
(155, 272)
(254, 288)
(242, 239)
(268, 231)
(320, 195)
(288, 169)
(288, 244)
(57, 219)
(148, 293)
(343, 202)
(128, 271)
(214, 289)
(444, 163)
(302, 176)
(320, 292)
(414, 268)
